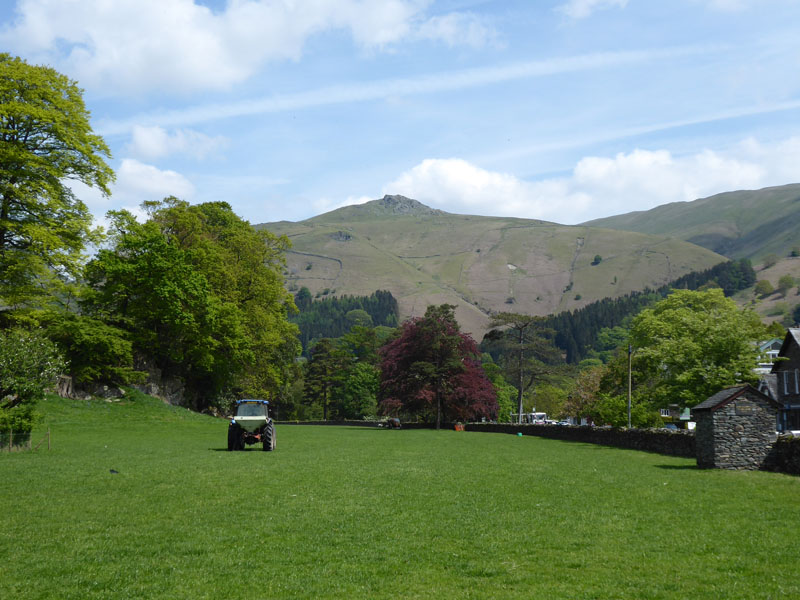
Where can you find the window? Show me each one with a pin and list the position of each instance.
(791, 382)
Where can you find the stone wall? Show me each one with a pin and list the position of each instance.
(785, 455)
(704, 439)
(373, 424)
(737, 435)
(661, 441)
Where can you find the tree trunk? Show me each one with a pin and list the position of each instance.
(64, 386)
(520, 360)
(438, 405)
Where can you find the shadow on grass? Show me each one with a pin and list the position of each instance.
(253, 449)
(678, 467)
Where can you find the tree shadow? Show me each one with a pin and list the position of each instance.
(253, 449)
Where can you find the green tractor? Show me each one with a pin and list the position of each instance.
(251, 425)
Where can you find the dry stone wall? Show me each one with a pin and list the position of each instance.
(737, 435)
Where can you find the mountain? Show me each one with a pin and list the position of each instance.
(480, 264)
(743, 224)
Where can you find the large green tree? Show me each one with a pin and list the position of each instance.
(341, 375)
(525, 350)
(201, 293)
(46, 142)
(691, 344)
(322, 374)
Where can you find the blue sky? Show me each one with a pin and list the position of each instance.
(562, 110)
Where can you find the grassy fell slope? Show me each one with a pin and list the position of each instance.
(481, 264)
(742, 224)
(774, 306)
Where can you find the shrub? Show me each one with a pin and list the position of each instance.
(29, 364)
(785, 283)
(764, 288)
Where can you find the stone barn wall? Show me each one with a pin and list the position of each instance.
(739, 433)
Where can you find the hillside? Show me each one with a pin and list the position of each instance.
(775, 306)
(743, 224)
(481, 264)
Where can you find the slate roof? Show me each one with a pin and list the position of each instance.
(769, 385)
(768, 344)
(792, 336)
(727, 395)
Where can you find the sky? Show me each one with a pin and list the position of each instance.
(562, 110)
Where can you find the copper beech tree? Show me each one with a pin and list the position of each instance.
(433, 370)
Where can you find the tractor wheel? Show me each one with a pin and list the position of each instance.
(234, 437)
(268, 437)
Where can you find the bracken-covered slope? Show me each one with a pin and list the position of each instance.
(743, 224)
(481, 264)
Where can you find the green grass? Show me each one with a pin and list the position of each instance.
(365, 513)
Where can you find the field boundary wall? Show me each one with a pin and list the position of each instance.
(674, 443)
(784, 458)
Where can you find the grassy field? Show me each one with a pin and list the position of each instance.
(366, 513)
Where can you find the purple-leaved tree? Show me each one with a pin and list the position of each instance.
(432, 370)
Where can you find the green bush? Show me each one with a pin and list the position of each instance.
(764, 288)
(98, 353)
(29, 364)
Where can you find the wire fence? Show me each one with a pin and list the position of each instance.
(17, 441)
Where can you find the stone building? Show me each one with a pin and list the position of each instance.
(735, 429)
(786, 370)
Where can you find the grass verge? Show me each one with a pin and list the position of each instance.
(362, 513)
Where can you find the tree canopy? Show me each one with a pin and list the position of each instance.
(334, 316)
(201, 293)
(692, 344)
(432, 370)
(523, 346)
(341, 376)
(46, 141)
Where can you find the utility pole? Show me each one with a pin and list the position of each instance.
(630, 353)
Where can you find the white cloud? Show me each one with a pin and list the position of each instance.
(643, 179)
(456, 29)
(137, 182)
(601, 186)
(457, 185)
(150, 143)
(132, 46)
(580, 9)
